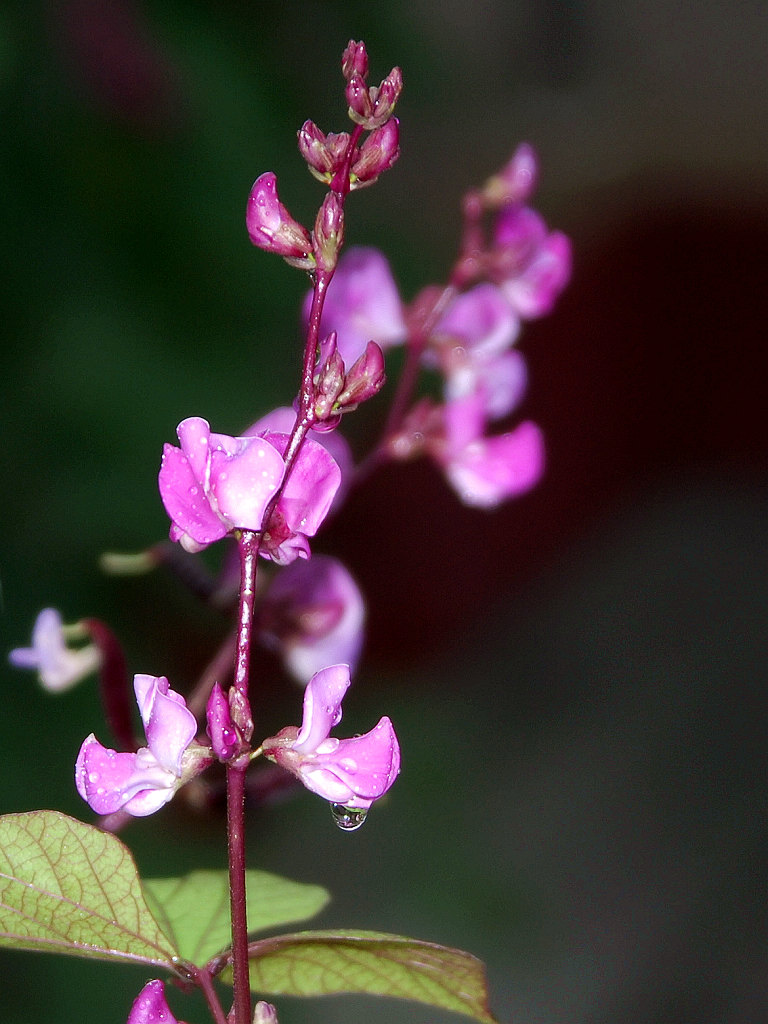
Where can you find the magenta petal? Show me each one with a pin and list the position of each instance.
(322, 707)
(244, 484)
(150, 1006)
(170, 726)
(492, 469)
(185, 499)
(101, 775)
(367, 765)
(311, 486)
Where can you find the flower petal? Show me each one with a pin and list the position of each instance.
(322, 707)
(491, 469)
(358, 770)
(169, 725)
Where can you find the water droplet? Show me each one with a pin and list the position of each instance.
(93, 777)
(349, 819)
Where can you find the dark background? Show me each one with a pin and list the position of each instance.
(577, 679)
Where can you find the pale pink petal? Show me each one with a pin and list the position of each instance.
(244, 484)
(490, 470)
(169, 725)
(101, 775)
(482, 320)
(322, 707)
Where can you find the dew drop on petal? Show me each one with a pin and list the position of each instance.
(93, 777)
(348, 819)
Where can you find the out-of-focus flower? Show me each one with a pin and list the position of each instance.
(485, 471)
(141, 782)
(352, 772)
(531, 264)
(215, 483)
(362, 304)
(150, 1006)
(58, 667)
(313, 614)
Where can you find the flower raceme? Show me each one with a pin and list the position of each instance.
(142, 782)
(352, 772)
(214, 484)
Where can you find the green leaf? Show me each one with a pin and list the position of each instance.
(321, 963)
(66, 887)
(194, 910)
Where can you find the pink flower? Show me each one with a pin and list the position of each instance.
(313, 614)
(150, 1006)
(362, 304)
(142, 782)
(58, 667)
(352, 772)
(215, 483)
(533, 265)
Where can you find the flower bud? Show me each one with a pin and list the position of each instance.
(354, 60)
(271, 227)
(377, 154)
(224, 736)
(329, 381)
(372, 107)
(364, 380)
(329, 232)
(324, 154)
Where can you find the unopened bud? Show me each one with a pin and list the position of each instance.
(377, 154)
(329, 232)
(240, 709)
(372, 107)
(354, 60)
(325, 154)
(271, 227)
(224, 736)
(328, 381)
(365, 379)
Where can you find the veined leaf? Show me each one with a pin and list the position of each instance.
(321, 963)
(194, 910)
(67, 887)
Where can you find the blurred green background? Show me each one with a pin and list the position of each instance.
(577, 679)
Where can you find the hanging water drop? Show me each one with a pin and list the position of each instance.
(348, 818)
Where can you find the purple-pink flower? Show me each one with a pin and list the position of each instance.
(141, 782)
(150, 1006)
(215, 483)
(352, 772)
(362, 304)
(313, 614)
(58, 666)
